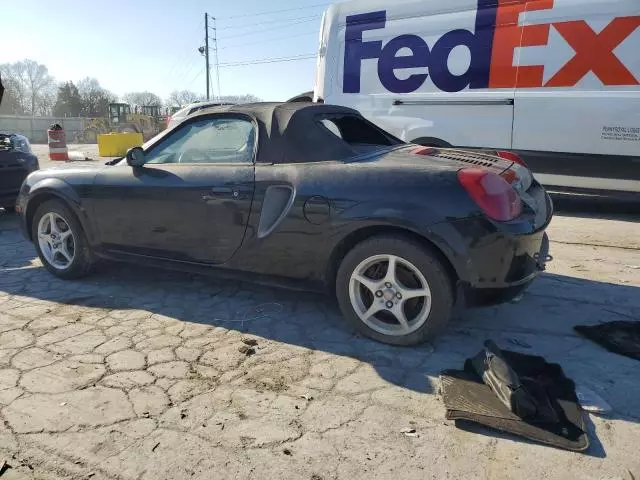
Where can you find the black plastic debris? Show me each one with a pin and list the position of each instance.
(495, 371)
(535, 401)
(621, 337)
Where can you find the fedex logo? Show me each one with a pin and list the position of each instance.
(492, 51)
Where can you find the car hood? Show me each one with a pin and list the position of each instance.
(414, 157)
(73, 176)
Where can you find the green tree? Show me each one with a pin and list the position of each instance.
(68, 101)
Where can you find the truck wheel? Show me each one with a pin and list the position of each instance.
(395, 291)
(60, 241)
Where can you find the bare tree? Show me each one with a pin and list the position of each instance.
(95, 98)
(142, 99)
(31, 85)
(11, 104)
(180, 98)
(45, 102)
(247, 98)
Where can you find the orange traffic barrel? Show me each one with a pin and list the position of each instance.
(57, 143)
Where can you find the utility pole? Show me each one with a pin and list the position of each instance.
(206, 48)
(215, 51)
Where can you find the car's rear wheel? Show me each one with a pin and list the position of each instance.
(395, 291)
(60, 241)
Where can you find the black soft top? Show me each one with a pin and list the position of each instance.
(292, 132)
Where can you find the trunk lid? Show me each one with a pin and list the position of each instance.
(420, 158)
(464, 158)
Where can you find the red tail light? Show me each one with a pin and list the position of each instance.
(513, 157)
(492, 193)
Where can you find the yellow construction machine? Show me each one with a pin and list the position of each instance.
(146, 120)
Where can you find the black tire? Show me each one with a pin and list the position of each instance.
(82, 263)
(431, 267)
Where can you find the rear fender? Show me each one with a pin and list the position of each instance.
(401, 214)
(55, 188)
(415, 219)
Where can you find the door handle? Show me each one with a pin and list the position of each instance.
(222, 192)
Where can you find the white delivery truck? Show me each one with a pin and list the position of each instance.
(556, 81)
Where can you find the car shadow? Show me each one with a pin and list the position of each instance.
(12, 244)
(600, 207)
(541, 324)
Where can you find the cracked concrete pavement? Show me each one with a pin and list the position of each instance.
(137, 374)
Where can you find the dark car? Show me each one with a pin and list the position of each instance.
(16, 162)
(306, 195)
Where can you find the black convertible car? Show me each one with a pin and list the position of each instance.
(305, 195)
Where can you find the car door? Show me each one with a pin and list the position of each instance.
(192, 198)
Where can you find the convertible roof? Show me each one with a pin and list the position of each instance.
(290, 132)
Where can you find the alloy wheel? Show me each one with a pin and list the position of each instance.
(56, 241)
(390, 295)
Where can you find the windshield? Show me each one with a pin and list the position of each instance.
(204, 140)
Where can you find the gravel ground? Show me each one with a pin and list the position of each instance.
(142, 374)
(83, 150)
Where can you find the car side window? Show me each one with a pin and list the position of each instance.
(209, 140)
(355, 130)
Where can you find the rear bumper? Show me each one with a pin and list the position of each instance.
(495, 262)
(508, 261)
(477, 296)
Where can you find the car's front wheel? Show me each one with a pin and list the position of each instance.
(60, 241)
(395, 291)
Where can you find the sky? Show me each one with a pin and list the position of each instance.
(137, 45)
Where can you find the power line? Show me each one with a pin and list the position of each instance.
(270, 60)
(195, 78)
(181, 59)
(275, 11)
(268, 40)
(278, 27)
(280, 20)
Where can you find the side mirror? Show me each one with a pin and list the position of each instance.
(135, 157)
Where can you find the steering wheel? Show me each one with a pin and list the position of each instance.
(192, 155)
